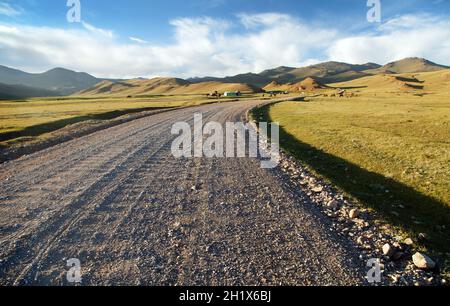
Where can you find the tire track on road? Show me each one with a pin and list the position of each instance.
(124, 205)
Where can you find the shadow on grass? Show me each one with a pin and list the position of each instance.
(420, 213)
(37, 130)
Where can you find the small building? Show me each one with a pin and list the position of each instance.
(232, 94)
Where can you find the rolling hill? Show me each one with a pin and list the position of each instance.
(408, 65)
(308, 84)
(139, 87)
(58, 81)
(327, 72)
(61, 81)
(247, 78)
(11, 92)
(436, 82)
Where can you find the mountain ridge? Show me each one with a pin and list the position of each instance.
(139, 87)
(329, 72)
(62, 81)
(59, 80)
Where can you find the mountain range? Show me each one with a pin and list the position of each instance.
(55, 82)
(329, 72)
(59, 81)
(139, 87)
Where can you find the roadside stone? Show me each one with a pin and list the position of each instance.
(354, 213)
(397, 246)
(360, 240)
(408, 241)
(423, 262)
(394, 279)
(318, 189)
(388, 250)
(367, 233)
(333, 204)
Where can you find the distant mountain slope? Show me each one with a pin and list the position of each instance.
(328, 72)
(408, 65)
(59, 80)
(308, 84)
(437, 82)
(162, 86)
(247, 78)
(10, 92)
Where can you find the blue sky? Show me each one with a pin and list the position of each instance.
(118, 38)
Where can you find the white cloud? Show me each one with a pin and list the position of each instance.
(207, 46)
(138, 40)
(264, 19)
(202, 46)
(405, 36)
(8, 10)
(97, 31)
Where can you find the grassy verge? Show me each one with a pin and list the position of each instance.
(40, 129)
(389, 154)
(27, 120)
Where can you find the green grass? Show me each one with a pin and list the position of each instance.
(391, 154)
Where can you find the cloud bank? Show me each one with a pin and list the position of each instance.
(7, 9)
(207, 46)
(405, 36)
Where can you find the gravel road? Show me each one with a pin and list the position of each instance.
(119, 202)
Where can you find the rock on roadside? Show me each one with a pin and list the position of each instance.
(422, 261)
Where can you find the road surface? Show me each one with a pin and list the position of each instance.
(118, 201)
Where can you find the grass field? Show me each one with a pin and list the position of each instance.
(390, 153)
(31, 118)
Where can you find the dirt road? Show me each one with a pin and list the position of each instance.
(119, 202)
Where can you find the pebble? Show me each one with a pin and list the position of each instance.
(354, 213)
(369, 234)
(360, 240)
(333, 205)
(388, 250)
(422, 261)
(394, 279)
(318, 189)
(408, 241)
